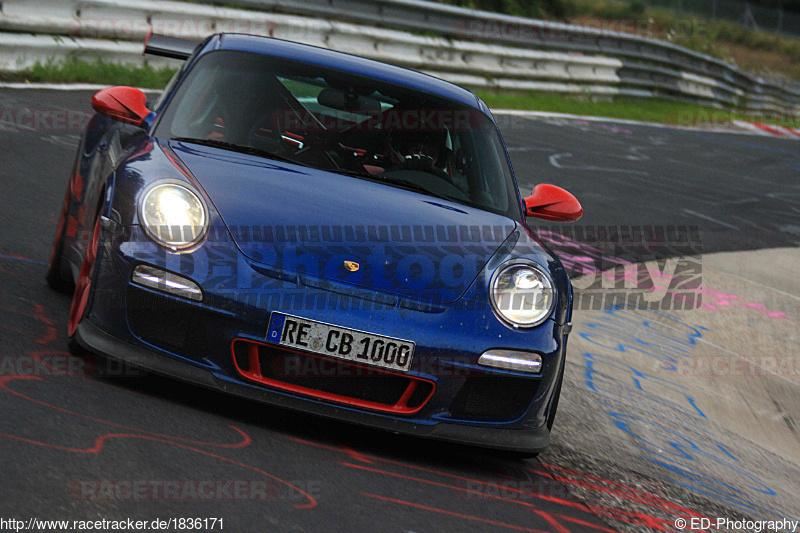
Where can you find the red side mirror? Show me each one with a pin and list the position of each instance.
(124, 104)
(552, 203)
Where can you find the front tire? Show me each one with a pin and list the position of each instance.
(551, 416)
(83, 290)
(55, 277)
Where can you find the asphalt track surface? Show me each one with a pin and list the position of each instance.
(636, 446)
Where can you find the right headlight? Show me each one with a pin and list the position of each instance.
(522, 294)
(173, 215)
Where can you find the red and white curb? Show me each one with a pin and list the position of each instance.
(771, 130)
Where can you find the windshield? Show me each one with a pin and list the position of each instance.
(345, 123)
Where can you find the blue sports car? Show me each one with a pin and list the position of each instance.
(322, 232)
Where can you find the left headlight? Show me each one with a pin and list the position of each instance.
(522, 294)
(173, 215)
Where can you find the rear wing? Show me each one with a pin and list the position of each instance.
(165, 46)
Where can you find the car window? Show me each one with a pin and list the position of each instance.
(343, 122)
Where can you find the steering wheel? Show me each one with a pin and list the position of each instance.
(421, 163)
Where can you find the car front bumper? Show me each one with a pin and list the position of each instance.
(94, 338)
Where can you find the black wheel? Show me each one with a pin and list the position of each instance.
(74, 347)
(83, 290)
(55, 278)
(551, 416)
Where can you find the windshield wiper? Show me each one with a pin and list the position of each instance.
(413, 186)
(400, 183)
(241, 148)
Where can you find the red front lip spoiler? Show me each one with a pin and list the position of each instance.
(401, 406)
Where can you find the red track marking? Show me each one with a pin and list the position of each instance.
(25, 332)
(100, 441)
(41, 316)
(358, 456)
(22, 312)
(567, 503)
(651, 501)
(624, 492)
(21, 276)
(246, 441)
(574, 504)
(552, 521)
(371, 459)
(584, 523)
(618, 514)
(453, 513)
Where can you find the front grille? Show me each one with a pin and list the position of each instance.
(330, 379)
(495, 398)
(167, 323)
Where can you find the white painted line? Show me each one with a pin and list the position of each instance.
(710, 219)
(555, 160)
(550, 114)
(746, 127)
(790, 295)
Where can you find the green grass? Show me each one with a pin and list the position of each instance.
(649, 110)
(101, 72)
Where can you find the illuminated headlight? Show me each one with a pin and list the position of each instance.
(173, 215)
(521, 294)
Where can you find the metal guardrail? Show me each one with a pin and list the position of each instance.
(477, 48)
(87, 26)
(457, 22)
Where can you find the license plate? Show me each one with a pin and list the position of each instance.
(340, 343)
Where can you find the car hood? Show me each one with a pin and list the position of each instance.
(293, 219)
